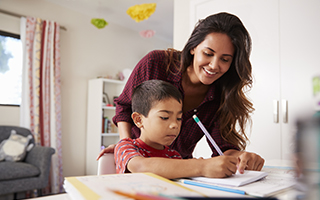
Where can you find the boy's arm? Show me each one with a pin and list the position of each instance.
(217, 167)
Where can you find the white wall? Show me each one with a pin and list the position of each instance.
(181, 23)
(86, 52)
(181, 34)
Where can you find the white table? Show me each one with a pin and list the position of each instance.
(285, 195)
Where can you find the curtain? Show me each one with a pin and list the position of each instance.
(40, 109)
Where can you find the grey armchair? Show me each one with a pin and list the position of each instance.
(31, 173)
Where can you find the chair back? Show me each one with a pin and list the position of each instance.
(5, 132)
(106, 164)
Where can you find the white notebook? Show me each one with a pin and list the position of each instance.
(236, 179)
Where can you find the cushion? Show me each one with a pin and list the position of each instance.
(17, 170)
(15, 147)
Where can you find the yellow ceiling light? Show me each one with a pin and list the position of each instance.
(142, 11)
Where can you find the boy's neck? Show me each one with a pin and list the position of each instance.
(151, 143)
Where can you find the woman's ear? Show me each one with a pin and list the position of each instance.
(192, 51)
(137, 119)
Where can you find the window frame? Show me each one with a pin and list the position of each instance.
(16, 36)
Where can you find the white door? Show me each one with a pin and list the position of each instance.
(285, 50)
(300, 52)
(261, 19)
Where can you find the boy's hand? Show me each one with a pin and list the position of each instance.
(108, 149)
(219, 167)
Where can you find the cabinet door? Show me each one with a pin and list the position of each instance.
(299, 50)
(261, 19)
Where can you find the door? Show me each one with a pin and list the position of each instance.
(261, 18)
(285, 48)
(299, 50)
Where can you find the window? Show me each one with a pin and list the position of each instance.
(10, 69)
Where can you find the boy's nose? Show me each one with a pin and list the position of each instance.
(174, 125)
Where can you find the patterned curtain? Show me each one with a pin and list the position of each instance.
(41, 95)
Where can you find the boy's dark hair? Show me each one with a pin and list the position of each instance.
(145, 95)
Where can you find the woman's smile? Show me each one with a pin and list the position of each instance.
(209, 72)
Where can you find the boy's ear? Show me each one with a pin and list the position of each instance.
(137, 119)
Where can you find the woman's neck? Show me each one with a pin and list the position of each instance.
(194, 91)
(191, 83)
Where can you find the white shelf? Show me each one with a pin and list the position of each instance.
(95, 110)
(111, 80)
(109, 107)
(109, 134)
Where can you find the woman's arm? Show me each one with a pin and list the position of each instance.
(217, 167)
(124, 129)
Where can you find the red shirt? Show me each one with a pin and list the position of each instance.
(153, 66)
(128, 148)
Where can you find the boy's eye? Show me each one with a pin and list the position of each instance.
(164, 118)
(179, 118)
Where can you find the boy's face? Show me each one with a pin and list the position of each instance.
(163, 123)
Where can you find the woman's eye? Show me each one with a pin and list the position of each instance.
(225, 60)
(179, 118)
(207, 54)
(164, 118)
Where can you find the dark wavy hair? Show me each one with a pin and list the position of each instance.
(235, 108)
(145, 95)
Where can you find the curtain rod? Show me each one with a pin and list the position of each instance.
(19, 16)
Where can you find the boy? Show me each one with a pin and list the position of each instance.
(157, 111)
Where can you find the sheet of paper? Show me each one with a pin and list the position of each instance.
(278, 179)
(236, 179)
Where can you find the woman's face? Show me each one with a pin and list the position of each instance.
(212, 58)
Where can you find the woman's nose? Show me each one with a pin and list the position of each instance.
(214, 63)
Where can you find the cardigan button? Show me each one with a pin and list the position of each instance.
(195, 110)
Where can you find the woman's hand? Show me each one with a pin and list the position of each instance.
(250, 161)
(124, 129)
(247, 160)
(108, 149)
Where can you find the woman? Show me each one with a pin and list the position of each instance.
(211, 72)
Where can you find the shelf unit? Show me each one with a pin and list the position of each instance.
(96, 137)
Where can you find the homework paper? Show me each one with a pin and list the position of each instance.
(236, 179)
(278, 180)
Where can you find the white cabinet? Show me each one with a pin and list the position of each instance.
(97, 109)
(285, 47)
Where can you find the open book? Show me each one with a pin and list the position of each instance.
(236, 179)
(104, 186)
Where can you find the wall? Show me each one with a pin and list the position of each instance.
(181, 23)
(86, 52)
(181, 34)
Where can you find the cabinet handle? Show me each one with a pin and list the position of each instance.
(275, 111)
(285, 110)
